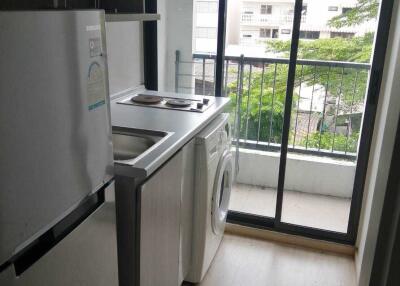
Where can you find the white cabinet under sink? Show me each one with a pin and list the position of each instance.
(166, 201)
(155, 223)
(160, 203)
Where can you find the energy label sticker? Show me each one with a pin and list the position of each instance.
(96, 86)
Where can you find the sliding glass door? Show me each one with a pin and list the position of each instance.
(303, 77)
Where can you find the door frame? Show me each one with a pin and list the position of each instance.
(374, 83)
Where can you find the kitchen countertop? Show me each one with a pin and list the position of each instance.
(181, 126)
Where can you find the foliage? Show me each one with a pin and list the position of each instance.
(264, 106)
(356, 49)
(365, 10)
(331, 141)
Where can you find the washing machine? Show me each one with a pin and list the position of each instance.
(212, 188)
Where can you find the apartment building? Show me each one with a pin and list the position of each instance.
(263, 20)
(205, 25)
(252, 22)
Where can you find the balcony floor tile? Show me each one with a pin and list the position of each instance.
(313, 210)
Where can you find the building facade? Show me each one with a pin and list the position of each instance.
(252, 22)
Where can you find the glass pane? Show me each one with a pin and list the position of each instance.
(327, 111)
(187, 39)
(252, 31)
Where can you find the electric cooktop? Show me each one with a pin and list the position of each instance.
(196, 103)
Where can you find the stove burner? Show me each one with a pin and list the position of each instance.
(179, 102)
(146, 99)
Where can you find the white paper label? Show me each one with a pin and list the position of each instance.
(96, 87)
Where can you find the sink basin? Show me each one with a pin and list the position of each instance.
(131, 143)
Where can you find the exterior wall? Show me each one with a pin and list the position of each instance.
(381, 153)
(318, 175)
(241, 24)
(314, 19)
(205, 19)
(232, 23)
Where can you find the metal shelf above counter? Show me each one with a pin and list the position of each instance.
(125, 17)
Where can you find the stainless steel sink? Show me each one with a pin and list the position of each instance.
(131, 143)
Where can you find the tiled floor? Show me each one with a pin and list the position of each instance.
(242, 261)
(319, 211)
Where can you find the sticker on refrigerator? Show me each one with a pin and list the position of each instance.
(95, 47)
(96, 86)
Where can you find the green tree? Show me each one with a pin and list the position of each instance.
(365, 10)
(356, 49)
(262, 109)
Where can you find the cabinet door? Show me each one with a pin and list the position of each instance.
(160, 203)
(122, 6)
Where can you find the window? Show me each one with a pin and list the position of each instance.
(266, 9)
(206, 32)
(265, 33)
(333, 8)
(247, 36)
(207, 7)
(345, 10)
(275, 33)
(304, 10)
(285, 31)
(248, 12)
(309, 35)
(342, 35)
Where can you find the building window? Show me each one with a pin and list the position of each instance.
(285, 31)
(248, 12)
(304, 10)
(206, 32)
(265, 33)
(309, 35)
(342, 35)
(275, 33)
(247, 36)
(345, 10)
(207, 7)
(266, 9)
(333, 8)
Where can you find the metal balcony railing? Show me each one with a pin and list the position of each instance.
(327, 109)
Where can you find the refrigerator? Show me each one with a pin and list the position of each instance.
(57, 212)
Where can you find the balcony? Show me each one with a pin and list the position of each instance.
(327, 110)
(268, 20)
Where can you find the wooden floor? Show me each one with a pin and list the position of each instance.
(243, 261)
(318, 211)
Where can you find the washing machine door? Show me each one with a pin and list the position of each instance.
(222, 192)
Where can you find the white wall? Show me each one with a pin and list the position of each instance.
(381, 153)
(233, 22)
(308, 174)
(125, 47)
(175, 32)
(162, 44)
(124, 55)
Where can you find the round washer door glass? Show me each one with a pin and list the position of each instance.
(222, 192)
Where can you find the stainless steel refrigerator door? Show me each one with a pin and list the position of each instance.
(85, 257)
(55, 146)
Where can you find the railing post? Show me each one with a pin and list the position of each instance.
(238, 110)
(204, 76)
(177, 59)
(270, 142)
